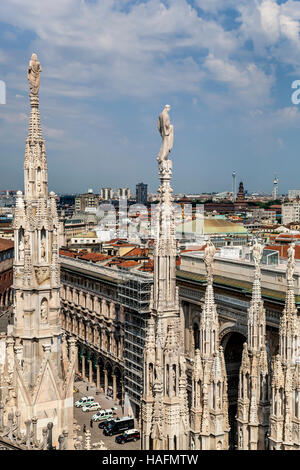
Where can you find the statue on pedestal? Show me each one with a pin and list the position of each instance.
(257, 252)
(33, 74)
(166, 131)
(290, 262)
(209, 254)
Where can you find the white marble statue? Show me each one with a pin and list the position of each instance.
(33, 74)
(209, 254)
(257, 252)
(21, 250)
(290, 262)
(166, 131)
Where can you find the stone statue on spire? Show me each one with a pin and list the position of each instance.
(257, 252)
(166, 131)
(290, 262)
(209, 254)
(33, 74)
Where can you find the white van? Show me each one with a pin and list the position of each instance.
(84, 401)
(103, 414)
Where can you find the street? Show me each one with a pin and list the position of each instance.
(85, 417)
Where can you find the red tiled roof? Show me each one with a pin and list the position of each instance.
(128, 264)
(6, 244)
(114, 240)
(94, 257)
(67, 253)
(136, 252)
(282, 250)
(148, 266)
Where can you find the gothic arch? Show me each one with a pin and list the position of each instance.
(232, 342)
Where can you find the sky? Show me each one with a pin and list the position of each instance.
(226, 67)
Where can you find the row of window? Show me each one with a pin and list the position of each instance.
(6, 255)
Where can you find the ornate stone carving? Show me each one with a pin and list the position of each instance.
(42, 274)
(33, 74)
(166, 131)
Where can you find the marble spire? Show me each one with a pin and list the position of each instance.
(285, 409)
(164, 403)
(254, 377)
(41, 367)
(209, 410)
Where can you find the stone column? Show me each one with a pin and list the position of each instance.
(105, 381)
(114, 377)
(90, 371)
(98, 383)
(83, 366)
(76, 363)
(122, 395)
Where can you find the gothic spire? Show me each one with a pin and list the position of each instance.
(289, 322)
(164, 402)
(165, 295)
(256, 312)
(35, 163)
(209, 323)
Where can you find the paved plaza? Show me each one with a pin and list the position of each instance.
(85, 417)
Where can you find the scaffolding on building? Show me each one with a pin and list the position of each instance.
(134, 291)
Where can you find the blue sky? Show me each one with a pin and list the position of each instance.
(225, 67)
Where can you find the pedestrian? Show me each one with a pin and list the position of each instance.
(84, 428)
(87, 388)
(91, 423)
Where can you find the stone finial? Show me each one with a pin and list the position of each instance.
(290, 267)
(257, 252)
(34, 429)
(49, 428)
(65, 434)
(45, 435)
(166, 131)
(209, 254)
(27, 438)
(33, 75)
(88, 440)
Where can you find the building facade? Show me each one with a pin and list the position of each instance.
(290, 212)
(6, 272)
(141, 193)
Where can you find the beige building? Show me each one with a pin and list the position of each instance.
(290, 212)
(84, 201)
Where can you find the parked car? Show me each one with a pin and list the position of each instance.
(84, 401)
(105, 423)
(127, 436)
(103, 414)
(119, 425)
(94, 406)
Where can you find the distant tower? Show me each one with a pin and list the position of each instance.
(275, 188)
(233, 186)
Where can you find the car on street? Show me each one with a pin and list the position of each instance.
(94, 406)
(104, 423)
(84, 401)
(118, 425)
(127, 436)
(104, 414)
